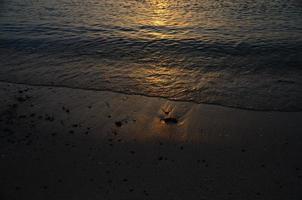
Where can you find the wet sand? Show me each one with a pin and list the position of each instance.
(62, 143)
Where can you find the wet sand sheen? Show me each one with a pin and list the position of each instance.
(60, 143)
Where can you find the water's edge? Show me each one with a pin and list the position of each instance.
(144, 95)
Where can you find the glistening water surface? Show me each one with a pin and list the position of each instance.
(240, 53)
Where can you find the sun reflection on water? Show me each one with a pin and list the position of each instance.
(161, 19)
(161, 12)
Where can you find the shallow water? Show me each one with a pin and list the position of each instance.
(240, 53)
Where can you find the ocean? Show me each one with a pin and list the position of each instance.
(238, 53)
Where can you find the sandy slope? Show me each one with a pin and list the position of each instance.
(61, 143)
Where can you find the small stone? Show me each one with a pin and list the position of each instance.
(118, 123)
(170, 120)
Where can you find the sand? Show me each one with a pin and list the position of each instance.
(61, 143)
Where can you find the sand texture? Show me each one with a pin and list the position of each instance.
(61, 143)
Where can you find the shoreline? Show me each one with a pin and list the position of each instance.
(60, 143)
(148, 96)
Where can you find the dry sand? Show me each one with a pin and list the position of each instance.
(61, 143)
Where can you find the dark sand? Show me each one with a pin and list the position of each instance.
(61, 144)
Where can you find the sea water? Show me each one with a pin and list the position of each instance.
(238, 53)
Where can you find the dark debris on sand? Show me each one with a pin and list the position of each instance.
(170, 120)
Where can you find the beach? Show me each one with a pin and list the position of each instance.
(150, 99)
(65, 143)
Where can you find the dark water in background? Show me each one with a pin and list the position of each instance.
(241, 53)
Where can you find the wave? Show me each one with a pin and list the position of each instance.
(287, 52)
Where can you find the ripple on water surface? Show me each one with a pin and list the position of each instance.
(245, 54)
